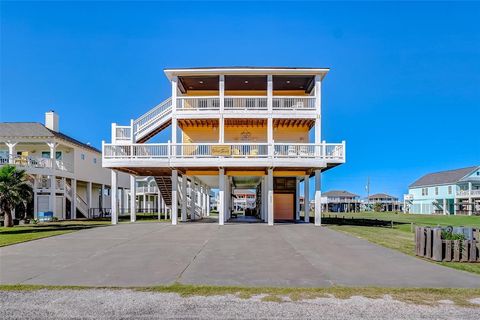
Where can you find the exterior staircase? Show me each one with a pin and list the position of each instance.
(82, 205)
(152, 122)
(164, 184)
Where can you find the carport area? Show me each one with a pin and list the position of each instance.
(147, 254)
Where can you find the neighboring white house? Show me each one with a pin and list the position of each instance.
(231, 128)
(446, 192)
(341, 201)
(66, 175)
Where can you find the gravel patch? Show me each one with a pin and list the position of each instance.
(129, 304)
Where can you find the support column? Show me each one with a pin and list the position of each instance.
(470, 201)
(11, 151)
(318, 197)
(113, 195)
(270, 93)
(121, 208)
(102, 195)
(133, 198)
(174, 213)
(144, 202)
(318, 108)
(263, 191)
(193, 194)
(89, 197)
(159, 205)
(208, 201)
(221, 197)
(270, 197)
(73, 200)
(297, 199)
(184, 199)
(53, 180)
(306, 198)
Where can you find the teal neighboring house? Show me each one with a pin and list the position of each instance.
(445, 192)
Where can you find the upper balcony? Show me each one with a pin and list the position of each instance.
(36, 165)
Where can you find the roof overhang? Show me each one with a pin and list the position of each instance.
(170, 73)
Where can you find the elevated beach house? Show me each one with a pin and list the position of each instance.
(341, 201)
(66, 175)
(446, 192)
(231, 128)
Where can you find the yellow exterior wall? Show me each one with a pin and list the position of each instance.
(291, 134)
(199, 134)
(234, 134)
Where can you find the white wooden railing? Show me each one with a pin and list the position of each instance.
(293, 103)
(162, 112)
(468, 193)
(149, 189)
(327, 151)
(245, 103)
(123, 133)
(198, 103)
(34, 162)
(152, 115)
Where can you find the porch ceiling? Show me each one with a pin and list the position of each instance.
(246, 182)
(246, 83)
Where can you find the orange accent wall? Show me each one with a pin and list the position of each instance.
(291, 134)
(200, 134)
(233, 134)
(283, 204)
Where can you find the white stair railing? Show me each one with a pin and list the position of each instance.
(153, 118)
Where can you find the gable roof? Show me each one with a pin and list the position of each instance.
(381, 195)
(339, 194)
(35, 129)
(443, 177)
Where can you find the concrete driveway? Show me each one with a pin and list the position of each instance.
(145, 254)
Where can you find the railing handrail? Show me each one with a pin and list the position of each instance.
(159, 108)
(252, 150)
(37, 162)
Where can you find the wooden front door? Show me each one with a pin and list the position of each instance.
(284, 206)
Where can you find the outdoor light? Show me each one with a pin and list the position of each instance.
(246, 81)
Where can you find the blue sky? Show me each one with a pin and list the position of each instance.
(403, 91)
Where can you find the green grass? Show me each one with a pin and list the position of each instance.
(30, 232)
(426, 296)
(401, 239)
(417, 219)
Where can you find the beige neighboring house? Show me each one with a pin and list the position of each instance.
(66, 175)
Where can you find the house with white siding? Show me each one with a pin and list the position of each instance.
(66, 175)
(447, 192)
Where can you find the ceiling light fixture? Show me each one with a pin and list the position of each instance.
(288, 81)
(246, 81)
(201, 82)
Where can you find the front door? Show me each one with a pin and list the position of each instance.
(284, 206)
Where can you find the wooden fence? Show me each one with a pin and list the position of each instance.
(429, 244)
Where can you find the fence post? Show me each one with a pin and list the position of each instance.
(437, 244)
(429, 243)
(422, 242)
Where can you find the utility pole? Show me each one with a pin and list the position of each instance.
(368, 192)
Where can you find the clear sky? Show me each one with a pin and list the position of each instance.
(403, 90)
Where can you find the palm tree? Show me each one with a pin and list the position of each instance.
(14, 189)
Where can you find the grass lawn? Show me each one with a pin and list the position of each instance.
(401, 237)
(426, 296)
(29, 232)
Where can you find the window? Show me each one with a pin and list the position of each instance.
(95, 160)
(424, 191)
(436, 191)
(46, 155)
(449, 189)
(82, 156)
